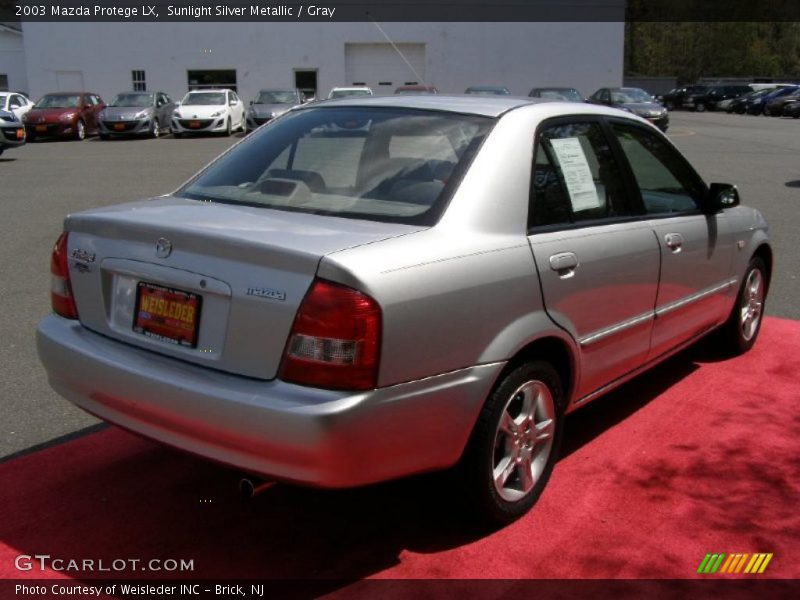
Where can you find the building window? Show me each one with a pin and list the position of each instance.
(139, 84)
(3, 82)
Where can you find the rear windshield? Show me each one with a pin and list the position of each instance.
(382, 164)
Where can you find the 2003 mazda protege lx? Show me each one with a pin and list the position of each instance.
(375, 287)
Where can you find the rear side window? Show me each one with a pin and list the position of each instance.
(666, 182)
(396, 165)
(575, 177)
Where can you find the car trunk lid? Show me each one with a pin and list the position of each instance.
(210, 283)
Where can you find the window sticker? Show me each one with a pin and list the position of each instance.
(577, 174)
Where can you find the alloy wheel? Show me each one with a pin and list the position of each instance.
(523, 440)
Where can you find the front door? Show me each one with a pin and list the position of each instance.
(696, 248)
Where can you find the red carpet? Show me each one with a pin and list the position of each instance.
(698, 456)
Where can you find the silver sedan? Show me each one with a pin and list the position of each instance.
(375, 287)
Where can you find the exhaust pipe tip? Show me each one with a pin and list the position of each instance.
(250, 487)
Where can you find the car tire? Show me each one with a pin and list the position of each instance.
(228, 128)
(80, 130)
(700, 107)
(669, 105)
(514, 445)
(155, 129)
(744, 323)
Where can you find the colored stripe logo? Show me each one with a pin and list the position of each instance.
(731, 564)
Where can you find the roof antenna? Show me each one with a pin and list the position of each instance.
(388, 39)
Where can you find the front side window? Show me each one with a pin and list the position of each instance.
(664, 179)
(575, 177)
(370, 163)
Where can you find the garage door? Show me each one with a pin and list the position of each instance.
(380, 66)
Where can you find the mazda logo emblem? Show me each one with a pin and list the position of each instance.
(163, 248)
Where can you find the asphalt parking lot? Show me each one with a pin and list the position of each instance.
(44, 181)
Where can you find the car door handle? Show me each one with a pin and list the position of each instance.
(674, 241)
(564, 263)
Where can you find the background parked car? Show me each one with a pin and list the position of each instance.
(774, 107)
(136, 113)
(64, 114)
(488, 90)
(711, 97)
(792, 110)
(208, 111)
(557, 93)
(16, 103)
(634, 100)
(739, 105)
(674, 98)
(345, 92)
(416, 89)
(269, 104)
(755, 106)
(12, 132)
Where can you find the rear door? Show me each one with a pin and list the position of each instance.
(696, 248)
(596, 255)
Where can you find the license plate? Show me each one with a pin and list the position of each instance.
(41, 128)
(194, 124)
(119, 126)
(167, 314)
(20, 134)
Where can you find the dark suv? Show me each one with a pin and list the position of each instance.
(711, 97)
(674, 99)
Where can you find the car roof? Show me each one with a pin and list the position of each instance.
(486, 106)
(292, 90)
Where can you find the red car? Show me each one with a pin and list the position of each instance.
(64, 114)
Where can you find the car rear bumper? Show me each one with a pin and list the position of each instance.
(271, 428)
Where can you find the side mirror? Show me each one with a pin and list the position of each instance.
(721, 196)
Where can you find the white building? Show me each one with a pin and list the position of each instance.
(107, 58)
(12, 59)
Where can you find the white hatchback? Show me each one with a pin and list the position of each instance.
(15, 103)
(209, 111)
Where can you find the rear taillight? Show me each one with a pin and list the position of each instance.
(60, 287)
(335, 341)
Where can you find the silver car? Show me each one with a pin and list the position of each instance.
(136, 113)
(376, 287)
(12, 131)
(269, 104)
